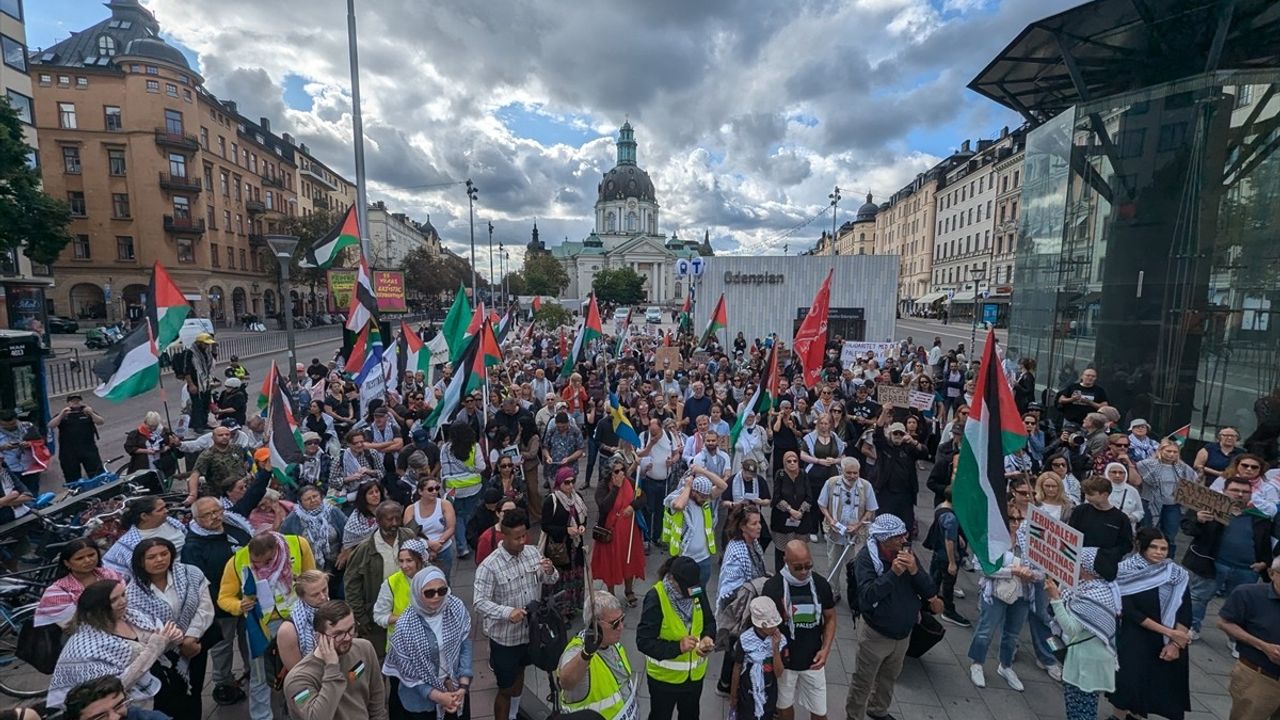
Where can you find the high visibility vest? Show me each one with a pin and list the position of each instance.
(606, 696)
(673, 529)
(686, 667)
(400, 590)
(464, 481)
(241, 559)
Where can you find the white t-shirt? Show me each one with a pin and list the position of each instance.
(655, 464)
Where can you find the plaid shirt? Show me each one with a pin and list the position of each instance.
(505, 582)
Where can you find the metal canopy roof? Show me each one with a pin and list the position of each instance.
(1106, 47)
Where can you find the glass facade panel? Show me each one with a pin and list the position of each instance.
(1147, 251)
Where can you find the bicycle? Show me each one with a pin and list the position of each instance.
(19, 594)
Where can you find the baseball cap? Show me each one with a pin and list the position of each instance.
(262, 455)
(897, 428)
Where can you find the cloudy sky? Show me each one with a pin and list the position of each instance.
(747, 113)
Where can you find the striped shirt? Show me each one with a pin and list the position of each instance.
(505, 582)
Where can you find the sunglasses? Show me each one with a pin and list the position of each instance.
(504, 466)
(615, 624)
(432, 488)
(1249, 466)
(1022, 493)
(801, 567)
(619, 471)
(438, 592)
(1119, 444)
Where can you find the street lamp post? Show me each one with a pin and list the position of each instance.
(282, 247)
(472, 191)
(502, 278)
(491, 277)
(834, 197)
(976, 274)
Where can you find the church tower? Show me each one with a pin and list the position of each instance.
(626, 205)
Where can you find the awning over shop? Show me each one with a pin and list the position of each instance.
(930, 298)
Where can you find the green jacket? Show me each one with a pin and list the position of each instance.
(362, 580)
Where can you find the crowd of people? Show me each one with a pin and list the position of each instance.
(330, 580)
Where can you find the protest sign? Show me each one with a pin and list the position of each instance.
(921, 400)
(1198, 497)
(665, 357)
(852, 350)
(893, 396)
(1054, 547)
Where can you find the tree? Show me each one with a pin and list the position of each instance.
(621, 286)
(516, 284)
(552, 316)
(543, 275)
(432, 274)
(309, 230)
(29, 218)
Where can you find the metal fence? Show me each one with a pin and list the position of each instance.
(73, 372)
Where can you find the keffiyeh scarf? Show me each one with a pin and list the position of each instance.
(739, 488)
(1095, 603)
(682, 603)
(303, 617)
(119, 556)
(233, 517)
(91, 653)
(144, 598)
(1135, 574)
(279, 572)
(790, 581)
(884, 527)
(318, 530)
(417, 656)
(358, 528)
(58, 603)
(757, 651)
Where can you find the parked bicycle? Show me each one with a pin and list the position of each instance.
(19, 594)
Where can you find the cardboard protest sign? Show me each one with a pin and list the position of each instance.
(920, 400)
(1198, 497)
(664, 355)
(893, 395)
(1054, 547)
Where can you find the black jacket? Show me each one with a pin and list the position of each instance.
(889, 603)
(1206, 538)
(647, 640)
(896, 466)
(210, 553)
(940, 475)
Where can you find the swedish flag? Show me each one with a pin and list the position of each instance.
(621, 424)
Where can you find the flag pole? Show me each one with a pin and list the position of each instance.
(164, 397)
(357, 131)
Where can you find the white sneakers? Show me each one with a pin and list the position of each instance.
(1009, 676)
(1235, 653)
(978, 677)
(1193, 634)
(1055, 670)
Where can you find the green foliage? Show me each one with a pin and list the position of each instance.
(432, 275)
(543, 275)
(552, 315)
(517, 285)
(621, 286)
(309, 230)
(29, 219)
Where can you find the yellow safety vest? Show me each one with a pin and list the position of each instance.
(465, 481)
(686, 667)
(673, 529)
(606, 695)
(399, 599)
(241, 559)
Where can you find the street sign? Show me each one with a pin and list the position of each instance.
(697, 265)
(682, 267)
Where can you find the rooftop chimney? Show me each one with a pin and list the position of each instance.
(288, 138)
(305, 151)
(266, 124)
(964, 146)
(1004, 132)
(230, 105)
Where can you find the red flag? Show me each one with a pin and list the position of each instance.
(811, 339)
(537, 303)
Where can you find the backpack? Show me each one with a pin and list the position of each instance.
(548, 634)
(934, 539)
(181, 363)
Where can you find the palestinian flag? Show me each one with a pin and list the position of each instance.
(592, 329)
(1181, 435)
(284, 437)
(686, 312)
(504, 325)
(325, 251)
(264, 394)
(364, 304)
(622, 332)
(456, 324)
(761, 401)
(167, 307)
(993, 431)
(129, 368)
(719, 321)
(413, 355)
(490, 352)
(465, 380)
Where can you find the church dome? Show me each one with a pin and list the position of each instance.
(624, 182)
(868, 211)
(156, 49)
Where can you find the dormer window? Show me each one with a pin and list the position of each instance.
(107, 46)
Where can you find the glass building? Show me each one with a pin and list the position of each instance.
(1150, 240)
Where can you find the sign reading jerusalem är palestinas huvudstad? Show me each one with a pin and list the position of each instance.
(1054, 547)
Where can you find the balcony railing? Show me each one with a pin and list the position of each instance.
(186, 226)
(165, 138)
(274, 181)
(181, 183)
(318, 177)
(255, 207)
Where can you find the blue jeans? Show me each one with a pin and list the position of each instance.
(704, 572)
(463, 509)
(259, 689)
(1203, 589)
(445, 558)
(993, 615)
(593, 452)
(1038, 622)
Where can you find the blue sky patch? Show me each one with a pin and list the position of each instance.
(529, 121)
(295, 93)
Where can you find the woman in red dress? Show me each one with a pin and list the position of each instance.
(620, 560)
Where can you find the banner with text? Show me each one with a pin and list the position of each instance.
(852, 350)
(341, 285)
(1055, 547)
(1198, 497)
(388, 287)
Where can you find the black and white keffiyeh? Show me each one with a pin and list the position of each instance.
(233, 517)
(318, 530)
(1095, 603)
(417, 655)
(303, 617)
(1136, 574)
(756, 652)
(91, 653)
(119, 556)
(884, 527)
(682, 603)
(186, 580)
(358, 528)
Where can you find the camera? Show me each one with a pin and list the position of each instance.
(1078, 439)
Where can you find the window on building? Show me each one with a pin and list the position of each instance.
(208, 178)
(245, 154)
(112, 120)
(186, 250)
(239, 224)
(1244, 95)
(116, 163)
(12, 8)
(211, 216)
(107, 46)
(64, 81)
(270, 200)
(124, 248)
(1015, 179)
(231, 258)
(238, 185)
(224, 179)
(22, 104)
(120, 205)
(171, 90)
(235, 153)
(222, 147)
(1172, 136)
(173, 122)
(15, 54)
(186, 95)
(181, 208)
(153, 70)
(214, 259)
(67, 116)
(178, 166)
(226, 220)
(45, 79)
(204, 138)
(80, 248)
(253, 163)
(76, 200)
(243, 265)
(1004, 183)
(71, 160)
(1013, 211)
(153, 86)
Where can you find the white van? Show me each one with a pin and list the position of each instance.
(191, 327)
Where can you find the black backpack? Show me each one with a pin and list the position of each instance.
(548, 634)
(934, 539)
